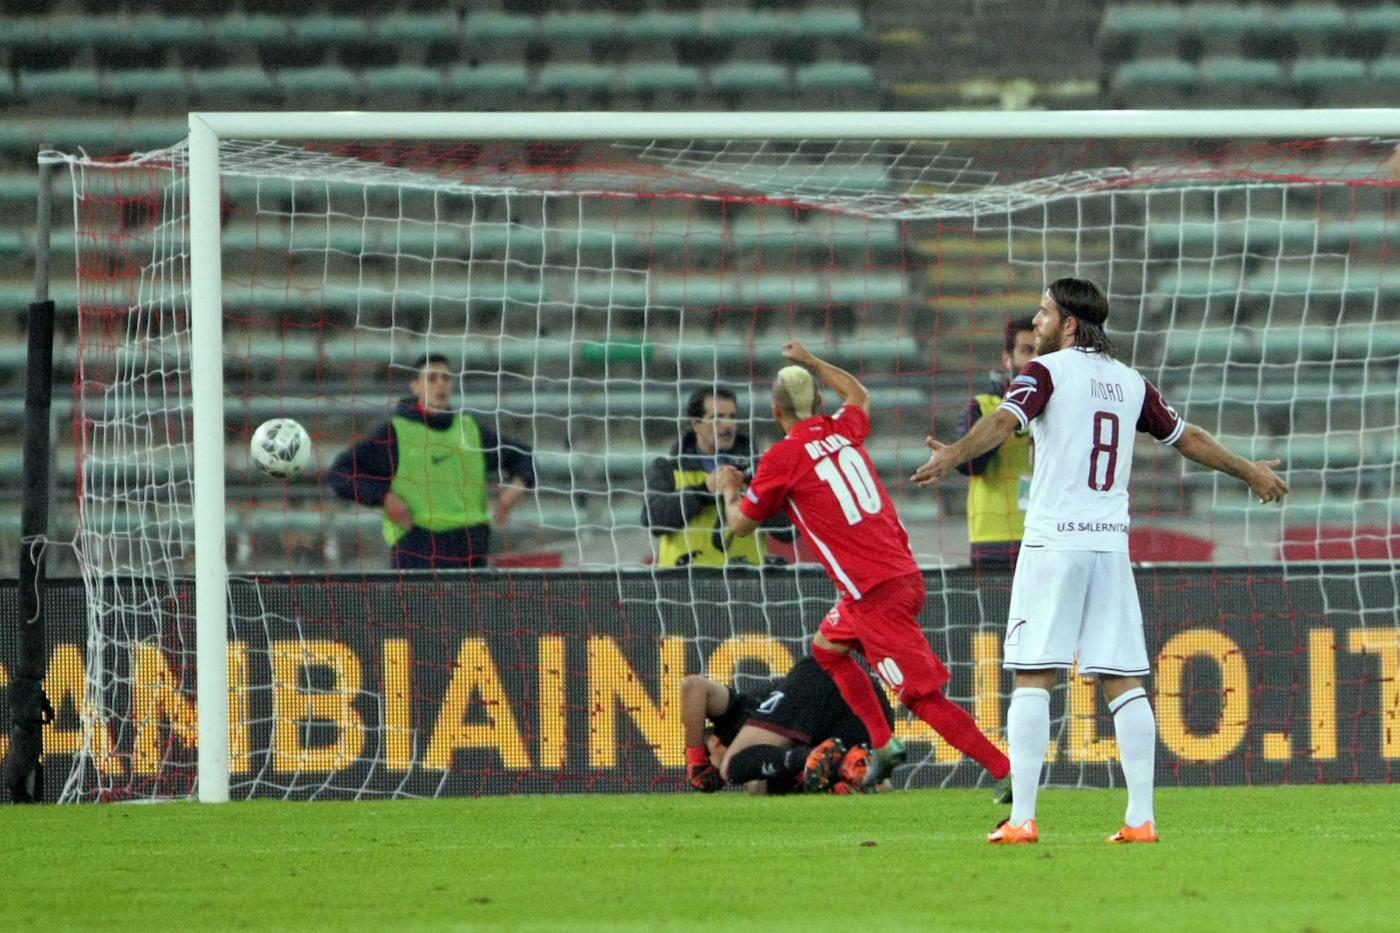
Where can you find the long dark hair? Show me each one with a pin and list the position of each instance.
(1082, 298)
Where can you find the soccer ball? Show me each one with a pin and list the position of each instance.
(281, 447)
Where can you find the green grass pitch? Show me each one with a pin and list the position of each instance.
(1290, 858)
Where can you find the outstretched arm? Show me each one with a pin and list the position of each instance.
(841, 382)
(1197, 444)
(987, 434)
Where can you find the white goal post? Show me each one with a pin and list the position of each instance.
(207, 130)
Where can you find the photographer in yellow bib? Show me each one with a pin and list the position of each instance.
(683, 507)
(430, 467)
(1001, 478)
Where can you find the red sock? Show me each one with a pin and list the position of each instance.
(858, 692)
(960, 730)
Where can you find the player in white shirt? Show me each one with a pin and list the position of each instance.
(1073, 596)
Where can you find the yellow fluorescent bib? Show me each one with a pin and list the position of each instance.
(704, 542)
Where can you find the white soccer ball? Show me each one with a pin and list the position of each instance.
(281, 447)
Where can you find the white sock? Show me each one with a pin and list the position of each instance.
(1136, 729)
(1028, 735)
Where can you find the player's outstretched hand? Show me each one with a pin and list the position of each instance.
(704, 777)
(938, 465)
(797, 351)
(1267, 484)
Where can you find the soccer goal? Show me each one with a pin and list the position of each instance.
(583, 274)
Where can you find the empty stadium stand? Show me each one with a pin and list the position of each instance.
(119, 77)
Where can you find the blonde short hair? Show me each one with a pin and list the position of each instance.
(795, 391)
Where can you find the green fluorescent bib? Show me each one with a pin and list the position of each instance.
(441, 475)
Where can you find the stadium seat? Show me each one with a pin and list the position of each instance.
(12, 243)
(1201, 236)
(1380, 25)
(835, 76)
(1386, 71)
(1225, 71)
(251, 85)
(323, 37)
(659, 77)
(1312, 26)
(1301, 452)
(1205, 345)
(654, 33)
(402, 82)
(578, 26)
(498, 36)
(1283, 344)
(574, 79)
(1244, 82)
(1141, 30)
(421, 38)
(749, 76)
(18, 188)
(164, 32)
(145, 41)
(156, 87)
(828, 23)
(1218, 28)
(328, 87)
(1159, 72)
(1154, 82)
(75, 83)
(758, 27)
(1198, 282)
(1332, 82)
(251, 32)
(328, 29)
(502, 82)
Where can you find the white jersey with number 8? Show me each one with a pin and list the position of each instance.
(1084, 410)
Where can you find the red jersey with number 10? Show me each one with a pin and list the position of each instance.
(822, 476)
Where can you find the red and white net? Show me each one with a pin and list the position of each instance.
(581, 291)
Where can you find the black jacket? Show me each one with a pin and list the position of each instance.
(365, 472)
(996, 385)
(667, 508)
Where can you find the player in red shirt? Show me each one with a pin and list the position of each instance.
(821, 475)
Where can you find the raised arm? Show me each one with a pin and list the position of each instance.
(1197, 444)
(841, 382)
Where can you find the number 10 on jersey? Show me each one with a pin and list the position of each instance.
(850, 480)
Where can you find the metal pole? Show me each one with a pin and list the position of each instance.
(207, 383)
(30, 709)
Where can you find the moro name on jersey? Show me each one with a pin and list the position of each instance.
(1112, 391)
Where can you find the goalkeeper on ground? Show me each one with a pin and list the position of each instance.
(797, 734)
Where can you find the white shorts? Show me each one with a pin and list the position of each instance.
(1069, 606)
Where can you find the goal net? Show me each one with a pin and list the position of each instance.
(580, 292)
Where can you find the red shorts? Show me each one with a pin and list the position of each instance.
(884, 626)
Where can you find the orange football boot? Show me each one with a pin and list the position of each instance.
(1008, 833)
(1147, 832)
